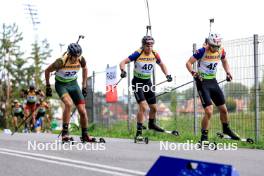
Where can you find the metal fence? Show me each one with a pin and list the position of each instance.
(244, 96)
(246, 59)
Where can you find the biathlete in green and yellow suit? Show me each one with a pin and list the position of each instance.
(68, 89)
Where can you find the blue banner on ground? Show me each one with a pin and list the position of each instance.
(169, 166)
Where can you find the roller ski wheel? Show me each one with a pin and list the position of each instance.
(220, 135)
(146, 139)
(249, 140)
(175, 133)
(102, 140)
(88, 139)
(92, 140)
(141, 139)
(207, 145)
(67, 139)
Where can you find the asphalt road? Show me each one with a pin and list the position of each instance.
(40, 154)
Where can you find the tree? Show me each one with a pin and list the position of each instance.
(39, 54)
(19, 80)
(9, 51)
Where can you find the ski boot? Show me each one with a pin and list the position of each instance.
(140, 138)
(204, 138)
(227, 131)
(153, 126)
(205, 143)
(65, 138)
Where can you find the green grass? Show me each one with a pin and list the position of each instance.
(184, 124)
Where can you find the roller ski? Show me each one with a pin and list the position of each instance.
(139, 138)
(86, 139)
(67, 139)
(174, 132)
(229, 134)
(226, 136)
(153, 126)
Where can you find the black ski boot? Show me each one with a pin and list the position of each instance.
(65, 138)
(229, 132)
(65, 135)
(139, 129)
(139, 137)
(155, 127)
(139, 133)
(205, 143)
(204, 138)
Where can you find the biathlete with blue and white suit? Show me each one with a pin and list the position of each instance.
(145, 60)
(208, 58)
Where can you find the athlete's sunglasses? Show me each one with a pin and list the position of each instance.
(214, 47)
(149, 43)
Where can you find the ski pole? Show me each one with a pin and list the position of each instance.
(21, 123)
(80, 37)
(161, 82)
(149, 23)
(174, 89)
(118, 82)
(221, 81)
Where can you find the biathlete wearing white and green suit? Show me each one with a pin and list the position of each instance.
(66, 78)
(208, 88)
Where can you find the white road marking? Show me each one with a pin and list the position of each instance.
(71, 162)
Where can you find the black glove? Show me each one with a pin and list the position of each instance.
(123, 74)
(48, 91)
(169, 78)
(197, 76)
(229, 77)
(39, 92)
(84, 91)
